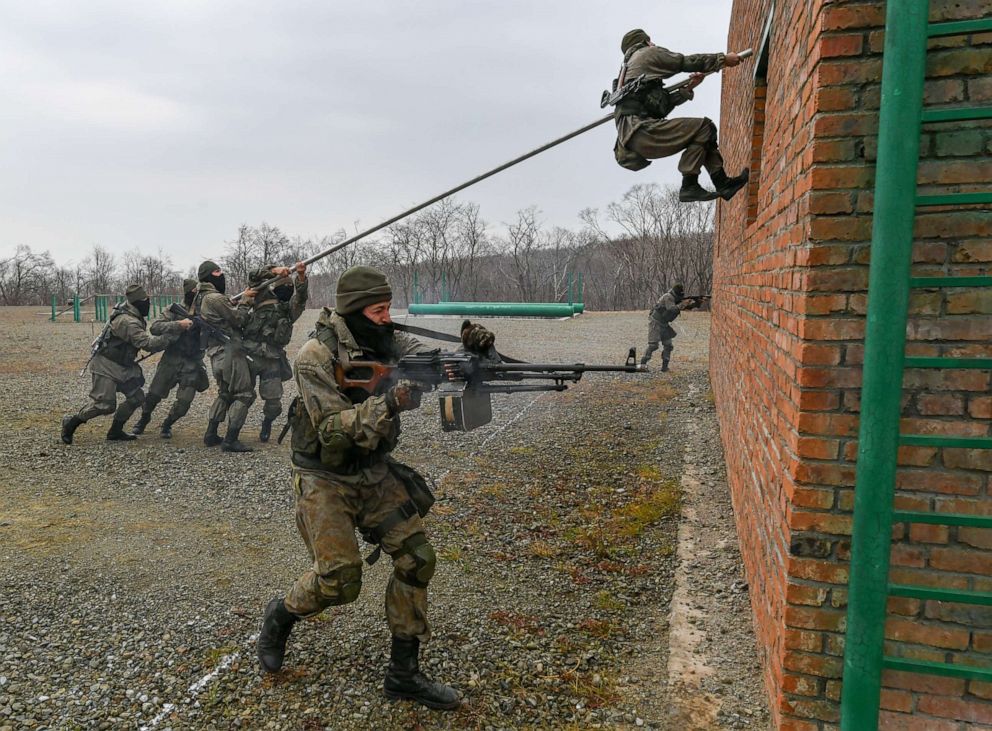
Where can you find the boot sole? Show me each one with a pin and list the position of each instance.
(394, 696)
(710, 197)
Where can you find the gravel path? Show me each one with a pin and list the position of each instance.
(134, 574)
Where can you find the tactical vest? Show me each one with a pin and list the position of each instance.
(188, 345)
(117, 350)
(339, 454)
(652, 100)
(272, 325)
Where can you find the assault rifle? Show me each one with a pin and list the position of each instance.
(630, 88)
(179, 311)
(697, 299)
(466, 381)
(100, 340)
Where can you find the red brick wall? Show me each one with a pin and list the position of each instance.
(790, 285)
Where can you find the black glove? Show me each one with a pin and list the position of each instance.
(477, 338)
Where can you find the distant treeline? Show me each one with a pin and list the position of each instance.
(448, 250)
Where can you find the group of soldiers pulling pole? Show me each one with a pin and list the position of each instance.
(344, 429)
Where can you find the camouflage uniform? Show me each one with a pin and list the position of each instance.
(266, 336)
(231, 370)
(181, 367)
(648, 137)
(665, 310)
(343, 480)
(114, 369)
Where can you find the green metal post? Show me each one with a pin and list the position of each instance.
(75, 307)
(570, 283)
(885, 339)
(582, 289)
(54, 306)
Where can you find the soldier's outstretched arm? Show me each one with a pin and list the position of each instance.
(131, 330)
(301, 293)
(166, 324)
(662, 61)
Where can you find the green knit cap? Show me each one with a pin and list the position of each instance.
(135, 293)
(206, 269)
(189, 285)
(258, 276)
(360, 287)
(632, 38)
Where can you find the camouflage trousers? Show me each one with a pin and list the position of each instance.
(663, 332)
(269, 372)
(103, 398)
(187, 375)
(328, 511)
(235, 392)
(694, 137)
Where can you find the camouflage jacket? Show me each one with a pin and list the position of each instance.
(127, 336)
(270, 327)
(656, 64)
(346, 433)
(665, 309)
(186, 344)
(217, 309)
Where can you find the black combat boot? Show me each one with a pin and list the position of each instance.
(141, 423)
(726, 187)
(276, 626)
(266, 431)
(404, 679)
(69, 426)
(231, 442)
(210, 438)
(664, 365)
(166, 432)
(117, 433)
(692, 192)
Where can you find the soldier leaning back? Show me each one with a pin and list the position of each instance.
(267, 334)
(644, 133)
(181, 367)
(231, 369)
(344, 479)
(114, 368)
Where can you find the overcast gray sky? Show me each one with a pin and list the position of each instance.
(168, 124)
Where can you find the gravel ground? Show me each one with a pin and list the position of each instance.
(134, 574)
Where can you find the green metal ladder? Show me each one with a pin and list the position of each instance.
(901, 116)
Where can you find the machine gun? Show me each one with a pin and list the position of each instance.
(100, 340)
(466, 381)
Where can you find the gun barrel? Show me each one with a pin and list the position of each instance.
(563, 368)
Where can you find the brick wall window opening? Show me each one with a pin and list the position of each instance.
(758, 122)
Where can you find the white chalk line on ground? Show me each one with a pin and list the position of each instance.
(195, 688)
(228, 660)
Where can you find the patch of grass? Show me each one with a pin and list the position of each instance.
(612, 534)
(596, 689)
(542, 549)
(527, 624)
(216, 654)
(605, 601)
(451, 553)
(599, 628)
(523, 450)
(496, 490)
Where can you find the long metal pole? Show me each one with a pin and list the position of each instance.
(904, 60)
(469, 183)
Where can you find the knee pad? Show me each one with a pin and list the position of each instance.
(710, 132)
(246, 398)
(424, 560)
(341, 586)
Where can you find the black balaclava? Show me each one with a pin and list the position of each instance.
(678, 292)
(284, 292)
(143, 306)
(368, 335)
(218, 281)
(189, 297)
